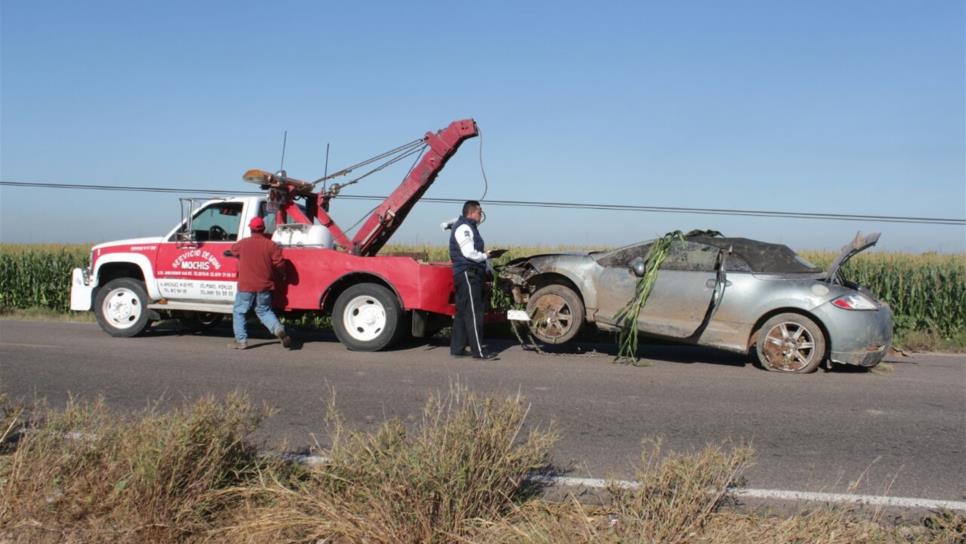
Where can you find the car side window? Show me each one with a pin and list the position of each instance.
(690, 256)
(734, 263)
(217, 223)
(623, 256)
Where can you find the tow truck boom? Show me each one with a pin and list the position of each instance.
(386, 219)
(383, 222)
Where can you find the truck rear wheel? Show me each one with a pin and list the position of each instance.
(367, 317)
(121, 307)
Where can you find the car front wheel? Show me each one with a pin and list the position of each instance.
(556, 314)
(121, 307)
(790, 342)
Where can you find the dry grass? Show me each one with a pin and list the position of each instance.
(11, 419)
(82, 474)
(678, 496)
(465, 461)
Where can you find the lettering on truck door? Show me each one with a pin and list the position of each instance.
(192, 266)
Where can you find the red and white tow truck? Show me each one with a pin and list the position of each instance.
(374, 300)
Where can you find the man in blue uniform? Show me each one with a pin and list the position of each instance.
(469, 259)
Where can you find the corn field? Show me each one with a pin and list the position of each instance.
(37, 275)
(927, 292)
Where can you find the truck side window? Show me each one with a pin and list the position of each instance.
(269, 217)
(217, 223)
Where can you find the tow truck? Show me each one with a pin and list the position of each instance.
(374, 300)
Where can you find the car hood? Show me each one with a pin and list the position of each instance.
(544, 257)
(857, 245)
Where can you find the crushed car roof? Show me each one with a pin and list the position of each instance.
(762, 256)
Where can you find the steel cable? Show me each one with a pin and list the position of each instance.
(346, 170)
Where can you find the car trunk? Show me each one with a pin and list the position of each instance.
(857, 245)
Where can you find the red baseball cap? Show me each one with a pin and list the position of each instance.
(257, 224)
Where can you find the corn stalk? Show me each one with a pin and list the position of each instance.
(627, 317)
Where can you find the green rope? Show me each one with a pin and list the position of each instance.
(627, 317)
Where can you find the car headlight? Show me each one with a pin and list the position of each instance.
(855, 301)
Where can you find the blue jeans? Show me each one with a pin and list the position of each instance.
(263, 309)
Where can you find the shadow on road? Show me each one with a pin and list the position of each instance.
(594, 343)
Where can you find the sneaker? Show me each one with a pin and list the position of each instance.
(238, 345)
(488, 357)
(285, 338)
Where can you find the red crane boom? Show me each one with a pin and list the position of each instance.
(383, 222)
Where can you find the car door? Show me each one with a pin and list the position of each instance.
(191, 265)
(681, 296)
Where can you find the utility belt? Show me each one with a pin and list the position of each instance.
(473, 272)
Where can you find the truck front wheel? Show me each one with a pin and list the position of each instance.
(367, 317)
(121, 307)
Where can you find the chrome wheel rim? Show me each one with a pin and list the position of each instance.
(122, 308)
(364, 318)
(789, 346)
(552, 318)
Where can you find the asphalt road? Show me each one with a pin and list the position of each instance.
(900, 431)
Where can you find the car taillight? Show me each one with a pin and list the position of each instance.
(855, 302)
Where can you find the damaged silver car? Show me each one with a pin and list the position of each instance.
(735, 294)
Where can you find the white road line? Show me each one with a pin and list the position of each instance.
(775, 494)
(871, 500)
(780, 494)
(22, 345)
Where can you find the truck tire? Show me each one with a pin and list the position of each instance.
(790, 342)
(556, 314)
(367, 317)
(199, 321)
(121, 307)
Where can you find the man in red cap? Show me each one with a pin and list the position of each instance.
(258, 258)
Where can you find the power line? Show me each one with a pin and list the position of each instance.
(530, 204)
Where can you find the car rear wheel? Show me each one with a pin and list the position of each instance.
(367, 317)
(556, 314)
(790, 343)
(121, 307)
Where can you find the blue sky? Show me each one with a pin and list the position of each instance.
(839, 107)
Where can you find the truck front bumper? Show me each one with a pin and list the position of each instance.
(81, 289)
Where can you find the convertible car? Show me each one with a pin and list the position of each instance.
(735, 294)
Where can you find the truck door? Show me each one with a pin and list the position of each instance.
(191, 266)
(680, 298)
